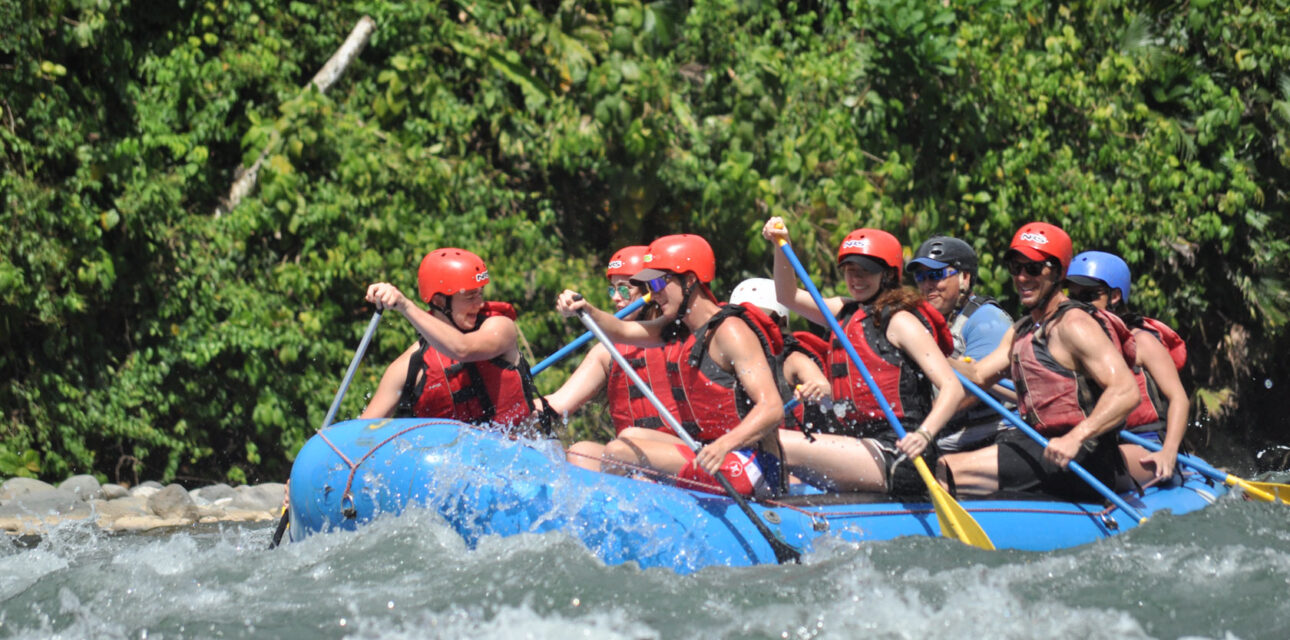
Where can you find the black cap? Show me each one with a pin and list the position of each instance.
(867, 263)
(939, 252)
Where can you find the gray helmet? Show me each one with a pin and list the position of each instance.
(939, 252)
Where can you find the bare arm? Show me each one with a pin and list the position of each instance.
(735, 348)
(803, 374)
(496, 335)
(386, 398)
(1156, 360)
(786, 290)
(990, 369)
(585, 382)
(907, 333)
(1094, 353)
(643, 333)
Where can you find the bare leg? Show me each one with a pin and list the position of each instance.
(658, 454)
(976, 473)
(586, 455)
(1141, 473)
(833, 461)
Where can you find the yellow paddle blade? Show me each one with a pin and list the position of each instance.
(954, 520)
(1265, 491)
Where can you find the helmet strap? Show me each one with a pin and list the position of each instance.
(446, 310)
(1056, 286)
(687, 290)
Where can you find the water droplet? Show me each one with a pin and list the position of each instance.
(1267, 383)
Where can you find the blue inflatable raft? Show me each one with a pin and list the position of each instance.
(486, 484)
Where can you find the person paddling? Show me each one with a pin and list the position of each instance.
(627, 406)
(903, 342)
(1074, 385)
(799, 366)
(1103, 280)
(466, 365)
(945, 270)
(718, 372)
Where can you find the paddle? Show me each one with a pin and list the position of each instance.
(1016, 421)
(585, 337)
(783, 552)
(1265, 491)
(335, 406)
(954, 520)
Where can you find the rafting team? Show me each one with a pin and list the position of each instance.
(1082, 365)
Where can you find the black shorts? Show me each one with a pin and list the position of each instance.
(1022, 467)
(903, 480)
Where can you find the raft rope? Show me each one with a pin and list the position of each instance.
(347, 497)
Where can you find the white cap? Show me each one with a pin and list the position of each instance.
(760, 293)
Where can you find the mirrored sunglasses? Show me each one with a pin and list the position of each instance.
(623, 291)
(657, 284)
(935, 275)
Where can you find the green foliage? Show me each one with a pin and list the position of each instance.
(137, 325)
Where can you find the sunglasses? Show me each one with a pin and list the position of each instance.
(1033, 269)
(935, 275)
(623, 291)
(657, 284)
(1087, 294)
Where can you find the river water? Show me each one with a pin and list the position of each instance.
(1223, 572)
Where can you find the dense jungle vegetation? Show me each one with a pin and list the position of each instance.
(145, 329)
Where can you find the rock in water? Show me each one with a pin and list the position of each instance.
(85, 486)
(173, 502)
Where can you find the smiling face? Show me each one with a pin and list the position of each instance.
(465, 307)
(944, 293)
(1033, 280)
(861, 284)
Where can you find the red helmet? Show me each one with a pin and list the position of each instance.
(875, 244)
(627, 261)
(450, 271)
(681, 254)
(1040, 241)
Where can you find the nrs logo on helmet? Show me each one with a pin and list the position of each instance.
(1037, 238)
(616, 264)
(481, 276)
(862, 244)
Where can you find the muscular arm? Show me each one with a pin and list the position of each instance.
(585, 382)
(908, 334)
(737, 350)
(1081, 336)
(386, 398)
(1156, 360)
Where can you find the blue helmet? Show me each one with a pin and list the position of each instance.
(1100, 267)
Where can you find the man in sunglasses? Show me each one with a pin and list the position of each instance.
(1073, 384)
(719, 374)
(945, 269)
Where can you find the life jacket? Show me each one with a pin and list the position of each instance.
(959, 319)
(628, 406)
(803, 416)
(482, 392)
(1167, 336)
(709, 400)
(1152, 411)
(1051, 397)
(898, 377)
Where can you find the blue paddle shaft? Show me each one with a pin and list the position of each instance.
(1195, 463)
(805, 278)
(582, 339)
(1079, 470)
(353, 366)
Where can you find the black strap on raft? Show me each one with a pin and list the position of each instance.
(412, 382)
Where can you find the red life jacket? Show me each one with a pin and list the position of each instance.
(899, 379)
(483, 392)
(1152, 411)
(628, 406)
(815, 348)
(1168, 337)
(1051, 397)
(710, 401)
